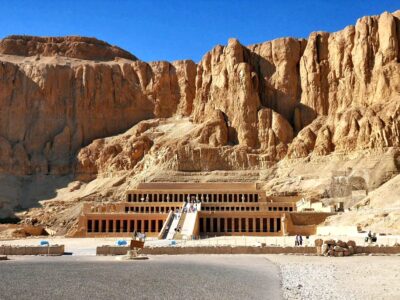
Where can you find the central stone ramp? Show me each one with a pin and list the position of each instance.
(191, 223)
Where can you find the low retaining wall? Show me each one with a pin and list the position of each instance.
(32, 250)
(112, 250)
(378, 250)
(121, 250)
(115, 250)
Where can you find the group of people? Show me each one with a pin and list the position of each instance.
(298, 240)
(371, 237)
(192, 208)
(138, 236)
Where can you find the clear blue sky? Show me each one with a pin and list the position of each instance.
(171, 30)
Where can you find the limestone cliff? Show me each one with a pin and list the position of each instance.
(53, 106)
(79, 107)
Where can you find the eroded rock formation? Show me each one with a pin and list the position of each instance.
(81, 107)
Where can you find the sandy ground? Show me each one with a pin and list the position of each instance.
(355, 277)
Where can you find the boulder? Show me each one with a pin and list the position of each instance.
(338, 248)
(330, 242)
(324, 248)
(351, 243)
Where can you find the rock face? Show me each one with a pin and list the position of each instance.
(51, 110)
(70, 46)
(81, 107)
(357, 66)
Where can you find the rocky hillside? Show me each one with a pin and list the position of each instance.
(81, 119)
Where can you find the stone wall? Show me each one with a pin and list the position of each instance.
(32, 250)
(115, 250)
(378, 250)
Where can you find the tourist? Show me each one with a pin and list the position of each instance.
(296, 241)
(300, 240)
(374, 238)
(369, 237)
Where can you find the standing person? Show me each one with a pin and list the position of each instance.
(296, 241)
(370, 236)
(300, 240)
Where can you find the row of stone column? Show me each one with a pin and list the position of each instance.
(230, 208)
(221, 225)
(151, 209)
(115, 225)
(280, 208)
(193, 197)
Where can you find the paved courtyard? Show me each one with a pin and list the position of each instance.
(160, 277)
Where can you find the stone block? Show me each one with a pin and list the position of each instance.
(324, 248)
(318, 242)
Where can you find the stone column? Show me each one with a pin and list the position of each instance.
(204, 225)
(268, 227)
(284, 225)
(218, 225)
(247, 224)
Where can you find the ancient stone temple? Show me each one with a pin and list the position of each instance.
(187, 210)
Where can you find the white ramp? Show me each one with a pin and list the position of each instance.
(174, 224)
(190, 222)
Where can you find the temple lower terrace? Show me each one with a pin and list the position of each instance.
(193, 210)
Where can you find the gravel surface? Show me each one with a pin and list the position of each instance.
(160, 277)
(355, 277)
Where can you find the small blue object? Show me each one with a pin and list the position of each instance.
(44, 243)
(173, 243)
(121, 243)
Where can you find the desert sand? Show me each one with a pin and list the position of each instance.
(355, 277)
